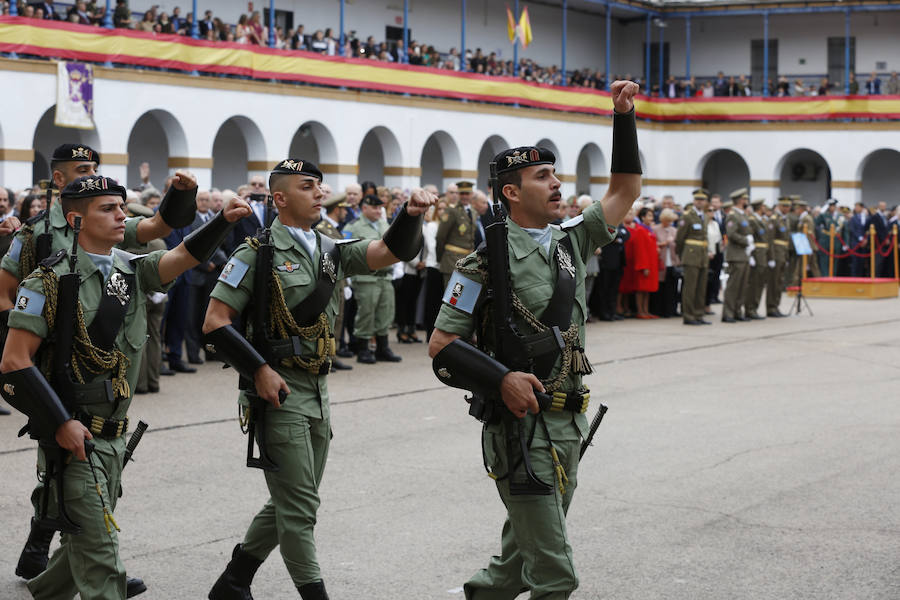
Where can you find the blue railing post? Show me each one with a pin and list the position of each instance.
(343, 40)
(271, 23)
(608, 32)
(516, 44)
(462, 41)
(662, 30)
(687, 48)
(405, 31)
(14, 10)
(564, 27)
(847, 52)
(648, 42)
(107, 16)
(765, 77)
(195, 26)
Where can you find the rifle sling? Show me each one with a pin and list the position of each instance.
(111, 313)
(308, 310)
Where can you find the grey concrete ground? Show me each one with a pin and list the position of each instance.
(749, 461)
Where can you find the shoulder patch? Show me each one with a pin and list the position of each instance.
(697, 226)
(234, 272)
(572, 222)
(462, 293)
(15, 249)
(30, 302)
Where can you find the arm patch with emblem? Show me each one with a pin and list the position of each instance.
(234, 272)
(462, 293)
(30, 302)
(15, 250)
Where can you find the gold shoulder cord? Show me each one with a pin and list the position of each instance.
(283, 325)
(94, 359)
(27, 258)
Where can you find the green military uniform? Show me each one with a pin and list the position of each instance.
(535, 552)
(762, 253)
(780, 240)
(373, 290)
(89, 563)
(455, 237)
(327, 228)
(298, 433)
(692, 246)
(824, 222)
(738, 229)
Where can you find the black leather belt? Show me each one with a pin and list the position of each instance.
(104, 428)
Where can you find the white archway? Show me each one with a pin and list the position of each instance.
(491, 146)
(440, 154)
(380, 157)
(806, 173)
(238, 143)
(590, 171)
(879, 175)
(313, 141)
(48, 135)
(722, 171)
(155, 137)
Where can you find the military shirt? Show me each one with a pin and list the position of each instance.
(62, 238)
(324, 226)
(456, 229)
(693, 227)
(29, 312)
(533, 275)
(298, 274)
(364, 229)
(737, 228)
(763, 250)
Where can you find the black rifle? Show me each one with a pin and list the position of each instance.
(57, 458)
(256, 418)
(508, 346)
(133, 441)
(43, 244)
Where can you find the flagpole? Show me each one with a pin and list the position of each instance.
(516, 46)
(342, 38)
(405, 58)
(564, 27)
(608, 31)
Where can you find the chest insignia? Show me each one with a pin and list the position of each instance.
(565, 260)
(456, 292)
(328, 267)
(118, 288)
(10, 389)
(462, 228)
(288, 267)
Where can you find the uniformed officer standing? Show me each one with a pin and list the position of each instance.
(374, 292)
(805, 223)
(335, 212)
(301, 313)
(692, 246)
(456, 231)
(824, 222)
(737, 255)
(759, 263)
(47, 233)
(780, 240)
(535, 553)
(89, 399)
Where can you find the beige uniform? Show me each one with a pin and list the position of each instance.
(455, 237)
(692, 247)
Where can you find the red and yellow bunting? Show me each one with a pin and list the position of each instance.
(77, 42)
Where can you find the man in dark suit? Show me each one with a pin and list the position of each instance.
(880, 221)
(858, 227)
(206, 24)
(249, 226)
(481, 206)
(200, 281)
(50, 13)
(602, 302)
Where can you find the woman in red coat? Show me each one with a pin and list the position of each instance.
(641, 275)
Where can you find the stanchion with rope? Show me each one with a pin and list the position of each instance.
(896, 272)
(830, 251)
(872, 252)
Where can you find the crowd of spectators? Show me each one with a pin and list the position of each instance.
(731, 86)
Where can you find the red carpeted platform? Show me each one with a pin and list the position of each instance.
(848, 287)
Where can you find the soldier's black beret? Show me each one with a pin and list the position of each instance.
(298, 166)
(523, 156)
(73, 152)
(92, 186)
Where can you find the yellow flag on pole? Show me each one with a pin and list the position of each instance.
(525, 28)
(510, 25)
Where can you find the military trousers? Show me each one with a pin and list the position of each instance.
(88, 563)
(299, 446)
(756, 284)
(375, 307)
(535, 554)
(151, 361)
(738, 273)
(693, 292)
(773, 289)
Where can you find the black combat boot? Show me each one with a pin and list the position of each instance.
(383, 351)
(363, 354)
(36, 552)
(134, 586)
(234, 583)
(313, 591)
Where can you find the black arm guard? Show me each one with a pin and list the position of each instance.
(28, 391)
(179, 207)
(235, 350)
(404, 237)
(625, 156)
(464, 366)
(202, 243)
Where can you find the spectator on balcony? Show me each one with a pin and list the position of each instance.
(689, 88)
(799, 88)
(744, 86)
(318, 43)
(242, 30)
(892, 86)
(823, 87)
(720, 86)
(708, 90)
(147, 23)
(873, 85)
(207, 24)
(671, 88)
(298, 39)
(854, 85)
(331, 41)
(164, 24)
(256, 32)
(178, 22)
(79, 14)
(47, 11)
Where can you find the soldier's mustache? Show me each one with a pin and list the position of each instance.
(555, 197)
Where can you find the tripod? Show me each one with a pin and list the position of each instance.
(800, 299)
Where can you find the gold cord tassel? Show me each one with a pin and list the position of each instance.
(580, 362)
(561, 478)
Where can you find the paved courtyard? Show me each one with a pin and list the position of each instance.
(749, 461)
